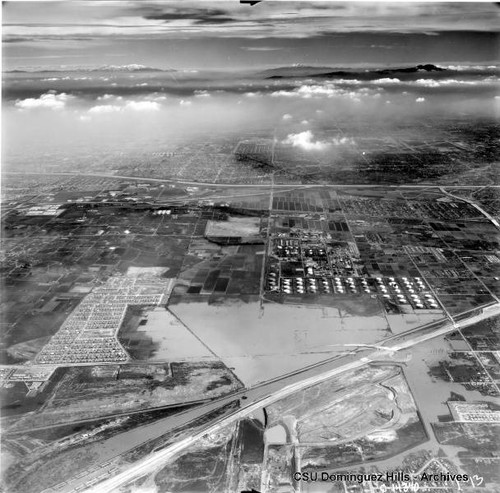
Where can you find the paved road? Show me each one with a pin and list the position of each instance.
(476, 206)
(269, 393)
(172, 407)
(234, 185)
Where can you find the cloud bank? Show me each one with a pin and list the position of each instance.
(49, 100)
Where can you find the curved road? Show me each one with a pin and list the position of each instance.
(268, 394)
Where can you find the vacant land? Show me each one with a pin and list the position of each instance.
(92, 392)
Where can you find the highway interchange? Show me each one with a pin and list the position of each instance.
(270, 392)
(261, 395)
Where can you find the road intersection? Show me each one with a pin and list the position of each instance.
(268, 393)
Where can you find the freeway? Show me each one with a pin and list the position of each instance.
(156, 459)
(19, 431)
(234, 185)
(270, 392)
(473, 204)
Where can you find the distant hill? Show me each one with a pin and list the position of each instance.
(410, 70)
(129, 68)
(104, 68)
(303, 71)
(293, 71)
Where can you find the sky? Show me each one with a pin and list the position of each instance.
(227, 35)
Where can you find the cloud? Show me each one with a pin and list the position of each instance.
(309, 91)
(428, 82)
(270, 20)
(348, 82)
(261, 48)
(456, 82)
(49, 100)
(387, 80)
(157, 97)
(129, 105)
(108, 97)
(284, 93)
(53, 79)
(329, 90)
(105, 108)
(286, 116)
(340, 141)
(373, 89)
(201, 16)
(142, 105)
(476, 68)
(305, 141)
(183, 102)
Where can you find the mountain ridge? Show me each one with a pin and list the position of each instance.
(318, 71)
(132, 67)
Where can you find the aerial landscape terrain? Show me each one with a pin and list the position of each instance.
(250, 248)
